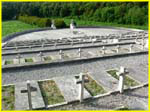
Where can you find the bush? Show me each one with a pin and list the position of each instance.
(59, 23)
(33, 20)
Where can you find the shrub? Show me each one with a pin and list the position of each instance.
(59, 23)
(41, 22)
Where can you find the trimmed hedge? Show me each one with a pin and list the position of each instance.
(59, 23)
(42, 22)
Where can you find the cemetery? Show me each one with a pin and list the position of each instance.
(81, 68)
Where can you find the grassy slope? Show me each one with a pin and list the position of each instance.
(9, 27)
(93, 23)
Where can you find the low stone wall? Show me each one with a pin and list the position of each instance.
(59, 62)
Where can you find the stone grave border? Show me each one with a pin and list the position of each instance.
(90, 98)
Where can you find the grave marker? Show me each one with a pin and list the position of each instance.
(117, 48)
(79, 52)
(130, 49)
(29, 94)
(103, 50)
(41, 55)
(61, 54)
(122, 72)
(18, 57)
(53, 25)
(81, 81)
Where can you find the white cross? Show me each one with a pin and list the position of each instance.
(81, 81)
(61, 54)
(117, 48)
(103, 50)
(41, 55)
(122, 72)
(130, 49)
(80, 51)
(18, 57)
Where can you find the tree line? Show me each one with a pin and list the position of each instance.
(135, 13)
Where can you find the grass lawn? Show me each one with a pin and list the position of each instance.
(128, 81)
(10, 27)
(93, 88)
(93, 23)
(51, 92)
(8, 97)
(28, 60)
(7, 62)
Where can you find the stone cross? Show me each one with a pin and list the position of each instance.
(28, 91)
(117, 48)
(79, 52)
(55, 44)
(103, 50)
(61, 54)
(72, 42)
(16, 48)
(29, 95)
(122, 72)
(42, 44)
(130, 49)
(81, 81)
(41, 55)
(18, 57)
(72, 25)
(143, 43)
(53, 25)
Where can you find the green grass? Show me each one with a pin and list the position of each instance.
(28, 60)
(128, 81)
(10, 27)
(8, 97)
(48, 58)
(94, 23)
(7, 62)
(93, 88)
(50, 92)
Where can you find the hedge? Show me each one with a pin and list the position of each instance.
(42, 22)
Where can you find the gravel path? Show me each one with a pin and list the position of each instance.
(44, 72)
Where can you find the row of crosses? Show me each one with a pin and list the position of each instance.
(81, 79)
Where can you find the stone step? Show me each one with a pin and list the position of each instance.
(21, 99)
(69, 88)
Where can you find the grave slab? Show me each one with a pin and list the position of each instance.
(37, 99)
(37, 59)
(15, 61)
(69, 88)
(21, 99)
(138, 75)
(104, 79)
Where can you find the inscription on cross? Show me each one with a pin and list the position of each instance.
(81, 80)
